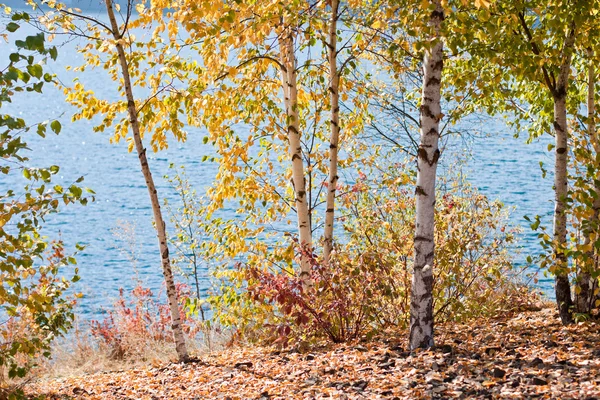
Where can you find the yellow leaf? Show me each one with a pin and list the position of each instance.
(378, 24)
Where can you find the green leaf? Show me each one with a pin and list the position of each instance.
(35, 70)
(11, 26)
(53, 53)
(56, 126)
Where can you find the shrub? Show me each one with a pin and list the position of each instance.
(338, 306)
(134, 326)
(366, 287)
(34, 308)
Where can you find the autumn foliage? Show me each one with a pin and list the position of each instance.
(138, 322)
(365, 289)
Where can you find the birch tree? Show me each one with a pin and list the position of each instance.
(586, 191)
(284, 116)
(584, 279)
(536, 43)
(159, 222)
(421, 309)
(152, 65)
(290, 99)
(334, 136)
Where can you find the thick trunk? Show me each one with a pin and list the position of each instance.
(332, 180)
(561, 266)
(158, 219)
(421, 306)
(290, 93)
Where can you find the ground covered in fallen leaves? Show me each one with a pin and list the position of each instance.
(529, 355)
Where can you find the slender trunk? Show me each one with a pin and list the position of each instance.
(563, 286)
(561, 267)
(158, 219)
(586, 286)
(421, 307)
(592, 284)
(290, 93)
(332, 180)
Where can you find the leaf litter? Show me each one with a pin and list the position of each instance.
(528, 355)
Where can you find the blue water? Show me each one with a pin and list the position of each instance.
(501, 167)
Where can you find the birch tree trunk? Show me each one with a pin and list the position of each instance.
(332, 180)
(563, 286)
(290, 93)
(421, 306)
(180, 344)
(587, 285)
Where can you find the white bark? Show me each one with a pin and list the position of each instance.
(421, 308)
(290, 93)
(172, 297)
(585, 299)
(562, 284)
(332, 180)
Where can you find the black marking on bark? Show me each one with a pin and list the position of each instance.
(422, 239)
(561, 150)
(293, 129)
(131, 103)
(330, 210)
(426, 111)
(422, 154)
(301, 194)
(557, 126)
(436, 14)
(560, 93)
(296, 156)
(439, 65)
(165, 254)
(333, 123)
(433, 81)
(436, 157)
(419, 191)
(332, 146)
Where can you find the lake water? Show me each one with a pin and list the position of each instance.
(501, 167)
